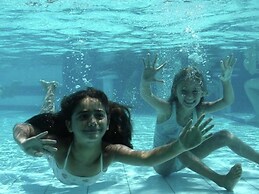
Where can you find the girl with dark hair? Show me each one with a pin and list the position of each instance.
(89, 133)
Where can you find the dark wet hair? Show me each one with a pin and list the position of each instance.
(186, 73)
(120, 126)
(70, 102)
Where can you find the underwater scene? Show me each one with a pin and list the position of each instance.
(166, 61)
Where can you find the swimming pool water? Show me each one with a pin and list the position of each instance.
(101, 44)
(23, 174)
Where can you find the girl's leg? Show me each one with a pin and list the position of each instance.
(192, 159)
(195, 164)
(168, 167)
(225, 138)
(49, 100)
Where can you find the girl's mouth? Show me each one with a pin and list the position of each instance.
(189, 103)
(92, 130)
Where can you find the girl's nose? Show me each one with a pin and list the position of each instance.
(92, 122)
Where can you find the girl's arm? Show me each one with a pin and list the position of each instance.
(31, 142)
(191, 136)
(228, 92)
(148, 77)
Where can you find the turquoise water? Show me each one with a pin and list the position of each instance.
(102, 44)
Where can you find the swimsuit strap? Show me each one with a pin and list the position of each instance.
(68, 152)
(101, 160)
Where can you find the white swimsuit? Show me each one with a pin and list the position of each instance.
(69, 179)
(167, 132)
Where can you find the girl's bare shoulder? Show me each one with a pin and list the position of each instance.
(62, 146)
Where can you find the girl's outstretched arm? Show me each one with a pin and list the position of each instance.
(149, 77)
(32, 143)
(191, 136)
(227, 66)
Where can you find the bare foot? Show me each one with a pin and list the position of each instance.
(52, 85)
(232, 177)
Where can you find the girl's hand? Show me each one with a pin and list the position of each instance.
(194, 135)
(150, 70)
(38, 146)
(227, 66)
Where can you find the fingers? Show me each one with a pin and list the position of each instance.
(204, 138)
(205, 123)
(38, 154)
(187, 127)
(222, 65)
(148, 59)
(44, 152)
(35, 152)
(232, 60)
(204, 131)
(154, 62)
(46, 149)
(197, 124)
(45, 141)
(227, 67)
(228, 58)
(204, 127)
(49, 149)
(41, 135)
(229, 62)
(147, 63)
(43, 145)
(48, 146)
(161, 66)
(48, 141)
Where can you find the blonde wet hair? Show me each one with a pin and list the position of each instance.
(188, 73)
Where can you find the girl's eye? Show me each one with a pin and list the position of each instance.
(99, 115)
(84, 116)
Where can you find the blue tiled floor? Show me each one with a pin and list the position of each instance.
(22, 174)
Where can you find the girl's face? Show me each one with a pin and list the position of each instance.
(189, 93)
(89, 121)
